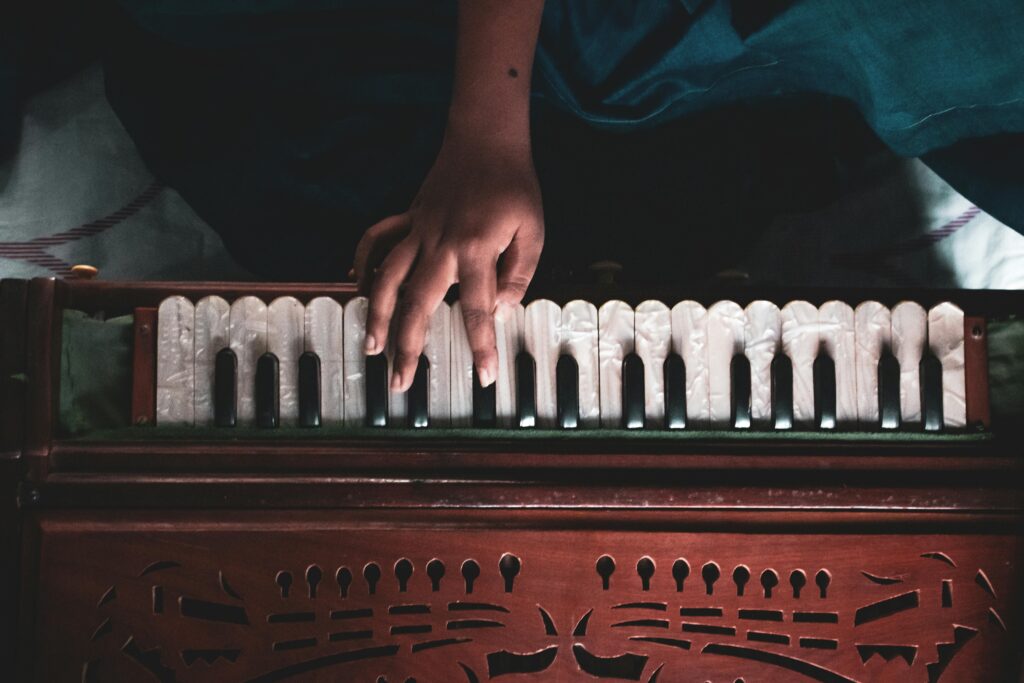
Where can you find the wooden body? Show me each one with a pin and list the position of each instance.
(384, 559)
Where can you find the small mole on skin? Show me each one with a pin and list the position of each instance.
(513, 73)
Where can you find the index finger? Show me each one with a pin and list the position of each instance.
(478, 283)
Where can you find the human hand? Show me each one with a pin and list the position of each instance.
(477, 221)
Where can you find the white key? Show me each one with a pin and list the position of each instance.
(615, 342)
(690, 341)
(652, 334)
(726, 321)
(175, 362)
(543, 325)
(509, 328)
(873, 329)
(212, 327)
(462, 371)
(248, 337)
(762, 338)
(838, 339)
(285, 322)
(437, 348)
(354, 356)
(909, 335)
(946, 341)
(398, 401)
(324, 334)
(800, 343)
(579, 340)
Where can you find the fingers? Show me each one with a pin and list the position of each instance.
(384, 294)
(424, 293)
(477, 289)
(518, 265)
(376, 242)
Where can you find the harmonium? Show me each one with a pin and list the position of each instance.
(212, 482)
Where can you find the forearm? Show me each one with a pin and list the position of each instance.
(494, 61)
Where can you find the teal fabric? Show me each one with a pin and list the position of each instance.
(924, 73)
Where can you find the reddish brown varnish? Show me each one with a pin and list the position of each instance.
(387, 559)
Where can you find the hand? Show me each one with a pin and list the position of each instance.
(477, 221)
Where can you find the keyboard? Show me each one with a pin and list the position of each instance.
(764, 366)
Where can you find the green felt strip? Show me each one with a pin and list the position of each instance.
(574, 435)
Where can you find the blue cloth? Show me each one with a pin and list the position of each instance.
(324, 115)
(925, 74)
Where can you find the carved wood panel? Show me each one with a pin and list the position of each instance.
(270, 601)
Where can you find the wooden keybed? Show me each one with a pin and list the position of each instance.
(149, 556)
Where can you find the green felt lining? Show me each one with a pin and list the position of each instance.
(461, 434)
(96, 386)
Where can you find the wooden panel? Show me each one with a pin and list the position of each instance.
(43, 335)
(439, 598)
(979, 414)
(144, 367)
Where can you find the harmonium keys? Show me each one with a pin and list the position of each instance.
(762, 367)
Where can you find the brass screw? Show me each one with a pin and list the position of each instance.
(83, 271)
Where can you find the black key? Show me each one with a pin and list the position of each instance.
(526, 387)
(309, 390)
(417, 396)
(824, 392)
(377, 391)
(931, 393)
(739, 370)
(567, 392)
(485, 404)
(225, 389)
(888, 390)
(633, 409)
(675, 392)
(267, 382)
(782, 392)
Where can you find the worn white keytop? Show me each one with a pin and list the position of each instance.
(354, 357)
(285, 332)
(726, 321)
(543, 323)
(653, 342)
(323, 335)
(946, 341)
(248, 338)
(437, 348)
(909, 336)
(836, 332)
(212, 329)
(800, 344)
(873, 329)
(615, 341)
(690, 341)
(509, 329)
(762, 338)
(461, 376)
(579, 339)
(175, 362)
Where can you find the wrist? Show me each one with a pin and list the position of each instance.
(488, 126)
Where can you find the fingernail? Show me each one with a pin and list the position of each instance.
(371, 344)
(501, 312)
(396, 381)
(486, 376)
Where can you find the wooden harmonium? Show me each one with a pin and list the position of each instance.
(661, 486)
